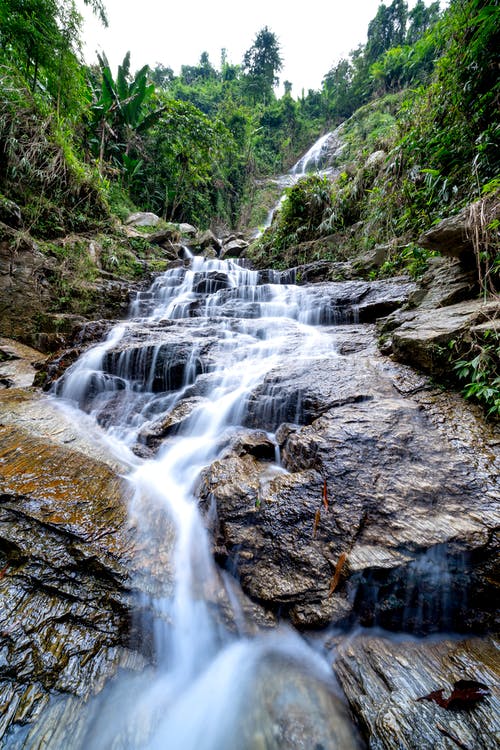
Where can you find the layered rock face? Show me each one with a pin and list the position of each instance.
(409, 510)
(346, 490)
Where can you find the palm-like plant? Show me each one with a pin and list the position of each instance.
(120, 115)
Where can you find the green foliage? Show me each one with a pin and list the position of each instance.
(261, 63)
(299, 216)
(41, 38)
(40, 168)
(453, 126)
(184, 152)
(120, 115)
(480, 370)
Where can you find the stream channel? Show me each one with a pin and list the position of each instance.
(221, 370)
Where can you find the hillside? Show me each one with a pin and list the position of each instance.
(417, 112)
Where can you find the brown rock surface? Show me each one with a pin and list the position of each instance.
(411, 504)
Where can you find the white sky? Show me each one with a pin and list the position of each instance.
(313, 35)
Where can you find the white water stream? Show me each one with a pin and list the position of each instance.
(320, 159)
(205, 675)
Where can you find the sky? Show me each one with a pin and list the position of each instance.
(312, 35)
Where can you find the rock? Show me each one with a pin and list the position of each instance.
(187, 230)
(422, 338)
(208, 239)
(372, 260)
(65, 555)
(410, 511)
(29, 287)
(154, 432)
(384, 681)
(168, 239)
(210, 253)
(18, 364)
(233, 248)
(25, 289)
(449, 237)
(210, 282)
(292, 709)
(445, 283)
(322, 270)
(376, 159)
(10, 213)
(143, 219)
(454, 236)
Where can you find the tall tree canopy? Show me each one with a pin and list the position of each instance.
(263, 61)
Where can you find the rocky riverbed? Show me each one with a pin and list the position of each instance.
(382, 513)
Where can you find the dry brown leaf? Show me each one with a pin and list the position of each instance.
(338, 570)
(465, 694)
(317, 519)
(325, 495)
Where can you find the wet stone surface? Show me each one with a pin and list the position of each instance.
(411, 507)
(384, 681)
(346, 490)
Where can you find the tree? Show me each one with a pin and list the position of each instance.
(184, 151)
(337, 85)
(120, 114)
(421, 18)
(386, 30)
(42, 39)
(161, 76)
(261, 63)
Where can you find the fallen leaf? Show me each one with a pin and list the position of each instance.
(465, 694)
(317, 519)
(3, 572)
(325, 495)
(336, 576)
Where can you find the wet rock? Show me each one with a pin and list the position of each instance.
(72, 559)
(410, 512)
(423, 337)
(65, 548)
(363, 301)
(211, 282)
(233, 248)
(291, 709)
(154, 432)
(18, 364)
(384, 679)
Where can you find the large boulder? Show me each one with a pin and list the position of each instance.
(386, 683)
(143, 219)
(423, 337)
(376, 510)
(66, 547)
(458, 236)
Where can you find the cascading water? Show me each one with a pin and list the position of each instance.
(205, 334)
(320, 158)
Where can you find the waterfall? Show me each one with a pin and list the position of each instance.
(204, 335)
(319, 155)
(319, 158)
